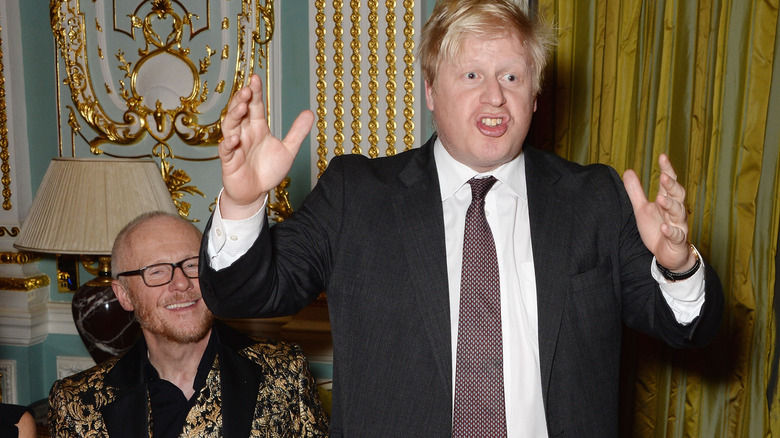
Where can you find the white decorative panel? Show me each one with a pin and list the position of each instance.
(69, 365)
(8, 370)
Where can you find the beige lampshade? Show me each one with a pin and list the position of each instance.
(83, 203)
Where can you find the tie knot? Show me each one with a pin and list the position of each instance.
(480, 186)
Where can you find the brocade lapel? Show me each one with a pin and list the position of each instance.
(418, 214)
(550, 218)
(127, 416)
(240, 380)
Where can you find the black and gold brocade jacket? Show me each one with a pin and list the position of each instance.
(254, 389)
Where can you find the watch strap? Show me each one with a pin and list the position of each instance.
(677, 276)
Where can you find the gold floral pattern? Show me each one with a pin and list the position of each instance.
(287, 402)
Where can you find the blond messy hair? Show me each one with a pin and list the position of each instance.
(454, 20)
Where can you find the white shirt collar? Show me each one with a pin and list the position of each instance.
(453, 174)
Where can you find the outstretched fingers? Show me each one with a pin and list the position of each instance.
(255, 104)
(298, 131)
(663, 223)
(634, 189)
(227, 147)
(672, 195)
(675, 219)
(237, 109)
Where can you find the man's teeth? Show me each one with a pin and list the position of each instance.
(491, 122)
(179, 305)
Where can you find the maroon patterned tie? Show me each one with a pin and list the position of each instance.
(479, 373)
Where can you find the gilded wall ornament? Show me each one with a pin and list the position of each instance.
(13, 232)
(24, 284)
(5, 165)
(18, 258)
(159, 72)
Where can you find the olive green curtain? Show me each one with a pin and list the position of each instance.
(700, 81)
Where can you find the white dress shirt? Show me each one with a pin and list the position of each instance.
(506, 209)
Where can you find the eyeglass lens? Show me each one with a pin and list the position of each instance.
(162, 273)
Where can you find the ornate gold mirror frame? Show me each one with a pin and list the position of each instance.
(159, 70)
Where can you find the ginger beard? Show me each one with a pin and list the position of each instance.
(184, 327)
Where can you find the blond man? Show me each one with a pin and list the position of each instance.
(476, 286)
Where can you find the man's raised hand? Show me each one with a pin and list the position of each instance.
(253, 160)
(663, 224)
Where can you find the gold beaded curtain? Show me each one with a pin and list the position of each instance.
(366, 85)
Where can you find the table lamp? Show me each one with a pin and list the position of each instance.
(80, 207)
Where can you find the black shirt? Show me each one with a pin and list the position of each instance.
(168, 404)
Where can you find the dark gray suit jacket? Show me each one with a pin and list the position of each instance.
(371, 234)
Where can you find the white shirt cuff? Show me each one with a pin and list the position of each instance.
(685, 297)
(230, 239)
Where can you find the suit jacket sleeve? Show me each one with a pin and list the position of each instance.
(313, 418)
(645, 309)
(287, 266)
(59, 426)
(75, 402)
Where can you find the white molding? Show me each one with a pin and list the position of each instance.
(23, 317)
(8, 369)
(60, 319)
(26, 326)
(69, 365)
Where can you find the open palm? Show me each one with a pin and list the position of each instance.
(253, 160)
(663, 224)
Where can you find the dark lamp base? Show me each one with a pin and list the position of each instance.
(106, 329)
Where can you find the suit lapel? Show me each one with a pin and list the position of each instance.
(240, 380)
(549, 217)
(418, 213)
(127, 415)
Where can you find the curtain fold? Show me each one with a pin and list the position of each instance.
(699, 81)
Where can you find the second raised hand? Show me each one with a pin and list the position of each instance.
(662, 224)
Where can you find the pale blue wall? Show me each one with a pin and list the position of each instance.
(295, 88)
(36, 365)
(22, 357)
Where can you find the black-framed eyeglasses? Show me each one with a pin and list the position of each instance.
(161, 274)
